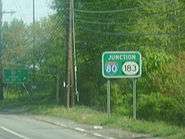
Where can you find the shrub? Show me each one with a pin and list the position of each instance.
(158, 107)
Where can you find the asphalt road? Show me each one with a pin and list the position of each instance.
(23, 127)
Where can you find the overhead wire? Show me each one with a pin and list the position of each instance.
(87, 20)
(126, 10)
(130, 33)
(19, 8)
(27, 42)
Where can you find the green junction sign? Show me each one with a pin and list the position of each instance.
(14, 76)
(121, 64)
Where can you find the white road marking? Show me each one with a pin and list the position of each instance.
(98, 135)
(98, 127)
(80, 129)
(14, 133)
(110, 138)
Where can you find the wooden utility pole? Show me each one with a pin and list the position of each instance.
(70, 58)
(75, 58)
(34, 38)
(1, 48)
(33, 22)
(73, 94)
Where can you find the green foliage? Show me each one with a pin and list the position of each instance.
(156, 63)
(159, 107)
(14, 41)
(152, 27)
(121, 100)
(156, 28)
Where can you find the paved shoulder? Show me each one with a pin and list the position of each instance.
(22, 127)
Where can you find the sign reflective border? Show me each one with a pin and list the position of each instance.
(121, 64)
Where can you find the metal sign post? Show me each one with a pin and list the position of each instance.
(108, 98)
(134, 99)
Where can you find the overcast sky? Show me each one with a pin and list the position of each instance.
(24, 10)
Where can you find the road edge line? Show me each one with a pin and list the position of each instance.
(14, 133)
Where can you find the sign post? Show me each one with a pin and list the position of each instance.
(108, 98)
(134, 99)
(122, 64)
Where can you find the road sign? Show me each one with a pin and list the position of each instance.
(125, 64)
(15, 75)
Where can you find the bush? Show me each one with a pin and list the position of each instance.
(120, 100)
(158, 107)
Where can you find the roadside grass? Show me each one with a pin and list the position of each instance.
(85, 115)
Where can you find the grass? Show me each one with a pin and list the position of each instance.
(86, 115)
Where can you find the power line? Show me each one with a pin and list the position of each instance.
(101, 23)
(110, 2)
(125, 10)
(106, 11)
(57, 27)
(133, 34)
(108, 23)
